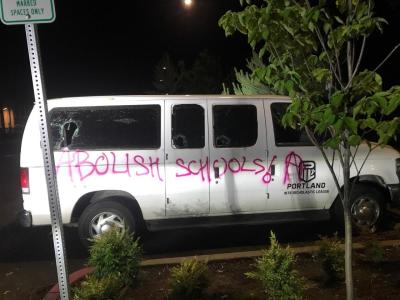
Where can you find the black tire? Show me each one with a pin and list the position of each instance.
(101, 216)
(367, 208)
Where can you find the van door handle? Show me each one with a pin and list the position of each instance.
(216, 172)
(272, 169)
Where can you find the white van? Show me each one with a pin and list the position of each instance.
(163, 162)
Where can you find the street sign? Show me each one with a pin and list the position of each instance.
(30, 12)
(48, 159)
(27, 11)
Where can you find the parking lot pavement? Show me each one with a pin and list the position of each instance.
(28, 280)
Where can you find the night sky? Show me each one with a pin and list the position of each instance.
(112, 48)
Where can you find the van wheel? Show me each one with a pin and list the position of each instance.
(366, 209)
(101, 216)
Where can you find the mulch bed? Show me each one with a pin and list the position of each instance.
(372, 280)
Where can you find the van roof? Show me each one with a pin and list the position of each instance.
(125, 100)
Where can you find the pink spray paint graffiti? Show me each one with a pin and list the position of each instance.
(80, 164)
(233, 166)
(292, 160)
(203, 169)
(267, 178)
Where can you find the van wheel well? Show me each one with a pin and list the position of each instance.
(375, 182)
(371, 181)
(122, 198)
(375, 194)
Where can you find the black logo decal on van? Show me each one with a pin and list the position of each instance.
(308, 171)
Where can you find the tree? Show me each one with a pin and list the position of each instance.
(204, 76)
(168, 75)
(247, 84)
(313, 52)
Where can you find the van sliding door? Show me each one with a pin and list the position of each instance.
(186, 158)
(238, 156)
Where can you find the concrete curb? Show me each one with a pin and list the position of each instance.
(54, 293)
(249, 254)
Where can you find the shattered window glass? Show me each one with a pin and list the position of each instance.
(235, 126)
(133, 127)
(188, 126)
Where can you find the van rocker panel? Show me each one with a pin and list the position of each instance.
(238, 219)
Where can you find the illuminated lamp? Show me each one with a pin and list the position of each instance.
(6, 117)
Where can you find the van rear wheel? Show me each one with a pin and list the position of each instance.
(101, 216)
(366, 208)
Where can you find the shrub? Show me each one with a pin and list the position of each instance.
(115, 253)
(92, 288)
(275, 269)
(374, 251)
(189, 279)
(331, 255)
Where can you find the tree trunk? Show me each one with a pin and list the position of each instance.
(348, 243)
(348, 225)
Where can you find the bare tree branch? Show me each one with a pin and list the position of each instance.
(387, 57)
(349, 45)
(354, 157)
(358, 62)
(331, 65)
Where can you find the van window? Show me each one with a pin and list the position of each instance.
(235, 126)
(286, 136)
(188, 126)
(116, 127)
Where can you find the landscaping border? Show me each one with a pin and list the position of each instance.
(53, 293)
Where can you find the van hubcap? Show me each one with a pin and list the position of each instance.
(365, 211)
(104, 221)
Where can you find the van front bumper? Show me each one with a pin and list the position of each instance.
(394, 190)
(25, 218)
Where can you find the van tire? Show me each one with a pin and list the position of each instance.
(101, 216)
(367, 208)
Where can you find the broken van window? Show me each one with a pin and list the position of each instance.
(69, 131)
(188, 126)
(286, 136)
(105, 127)
(235, 126)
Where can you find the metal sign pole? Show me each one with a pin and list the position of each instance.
(52, 190)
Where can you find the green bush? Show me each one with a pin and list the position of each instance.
(115, 253)
(275, 269)
(374, 251)
(189, 279)
(331, 255)
(92, 288)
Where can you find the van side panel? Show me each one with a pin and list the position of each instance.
(139, 172)
(302, 178)
(187, 166)
(31, 157)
